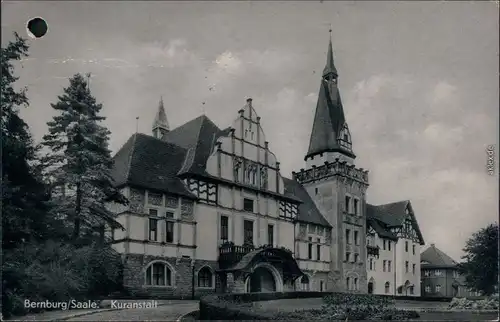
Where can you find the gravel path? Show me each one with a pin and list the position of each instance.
(169, 312)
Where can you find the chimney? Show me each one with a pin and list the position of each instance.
(249, 101)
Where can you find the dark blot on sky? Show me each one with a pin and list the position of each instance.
(38, 27)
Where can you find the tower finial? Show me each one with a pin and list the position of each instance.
(330, 71)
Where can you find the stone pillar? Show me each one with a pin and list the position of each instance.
(239, 283)
(230, 283)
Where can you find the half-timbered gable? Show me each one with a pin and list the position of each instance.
(397, 232)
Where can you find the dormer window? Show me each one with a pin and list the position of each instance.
(344, 138)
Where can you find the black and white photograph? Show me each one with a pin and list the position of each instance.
(250, 160)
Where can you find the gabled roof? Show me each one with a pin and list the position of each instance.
(393, 215)
(436, 258)
(150, 163)
(308, 212)
(198, 137)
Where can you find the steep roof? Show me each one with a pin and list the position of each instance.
(434, 257)
(392, 215)
(198, 137)
(329, 118)
(308, 212)
(330, 66)
(148, 162)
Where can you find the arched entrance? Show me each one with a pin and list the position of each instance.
(261, 280)
(371, 286)
(263, 270)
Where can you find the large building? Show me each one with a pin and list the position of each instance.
(440, 275)
(210, 211)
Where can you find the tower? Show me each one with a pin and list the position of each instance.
(160, 124)
(337, 187)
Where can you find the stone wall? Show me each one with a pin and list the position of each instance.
(184, 276)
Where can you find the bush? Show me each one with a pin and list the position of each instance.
(490, 303)
(344, 306)
(57, 272)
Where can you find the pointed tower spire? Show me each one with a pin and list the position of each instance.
(330, 71)
(160, 124)
(330, 134)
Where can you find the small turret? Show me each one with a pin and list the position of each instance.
(160, 124)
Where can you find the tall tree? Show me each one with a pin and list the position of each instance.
(79, 160)
(480, 266)
(23, 192)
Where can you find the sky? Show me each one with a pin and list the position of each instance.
(419, 83)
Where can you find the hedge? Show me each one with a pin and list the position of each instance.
(223, 306)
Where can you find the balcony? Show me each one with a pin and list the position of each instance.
(230, 254)
(372, 250)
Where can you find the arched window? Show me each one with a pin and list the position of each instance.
(205, 277)
(387, 287)
(304, 283)
(348, 283)
(159, 274)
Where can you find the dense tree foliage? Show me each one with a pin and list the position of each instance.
(480, 266)
(79, 161)
(24, 197)
(40, 261)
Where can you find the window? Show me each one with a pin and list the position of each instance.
(407, 266)
(310, 249)
(318, 250)
(437, 273)
(371, 264)
(158, 274)
(427, 289)
(348, 283)
(427, 273)
(248, 205)
(411, 290)
(347, 256)
(316, 191)
(413, 249)
(355, 284)
(248, 232)
(384, 263)
(413, 268)
(153, 229)
(169, 215)
(438, 288)
(389, 266)
(224, 228)
(347, 202)
(406, 246)
(170, 232)
(304, 281)
(356, 258)
(387, 287)
(321, 286)
(205, 277)
(356, 211)
(389, 245)
(384, 243)
(153, 212)
(270, 234)
(356, 238)
(348, 236)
